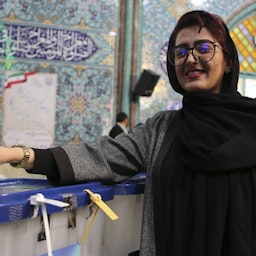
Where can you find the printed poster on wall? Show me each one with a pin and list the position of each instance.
(29, 107)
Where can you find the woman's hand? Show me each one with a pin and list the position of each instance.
(14, 155)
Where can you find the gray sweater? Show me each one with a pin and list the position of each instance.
(116, 159)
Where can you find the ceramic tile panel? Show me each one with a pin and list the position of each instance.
(77, 40)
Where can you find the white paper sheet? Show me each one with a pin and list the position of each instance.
(29, 109)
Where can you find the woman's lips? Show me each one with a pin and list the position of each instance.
(194, 73)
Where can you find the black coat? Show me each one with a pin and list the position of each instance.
(115, 131)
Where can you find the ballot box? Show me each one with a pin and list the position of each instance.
(122, 236)
(22, 229)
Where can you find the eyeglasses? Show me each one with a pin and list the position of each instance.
(203, 51)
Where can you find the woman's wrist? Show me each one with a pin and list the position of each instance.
(21, 156)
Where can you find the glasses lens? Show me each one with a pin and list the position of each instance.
(177, 55)
(204, 51)
(181, 52)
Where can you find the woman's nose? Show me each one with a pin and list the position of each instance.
(191, 57)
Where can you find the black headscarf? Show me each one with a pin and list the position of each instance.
(197, 178)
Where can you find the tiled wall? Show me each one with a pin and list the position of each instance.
(50, 36)
(77, 40)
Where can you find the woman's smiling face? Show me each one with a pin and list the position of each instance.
(194, 76)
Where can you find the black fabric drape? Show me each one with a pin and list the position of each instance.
(160, 195)
(217, 132)
(204, 180)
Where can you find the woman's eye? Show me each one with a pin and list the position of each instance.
(203, 48)
(181, 52)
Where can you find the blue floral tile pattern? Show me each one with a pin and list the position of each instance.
(77, 40)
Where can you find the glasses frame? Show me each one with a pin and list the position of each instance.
(192, 52)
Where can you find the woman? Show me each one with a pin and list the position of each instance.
(200, 160)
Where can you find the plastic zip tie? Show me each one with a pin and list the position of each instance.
(96, 198)
(40, 200)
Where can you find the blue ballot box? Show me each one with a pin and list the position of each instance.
(122, 236)
(20, 234)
